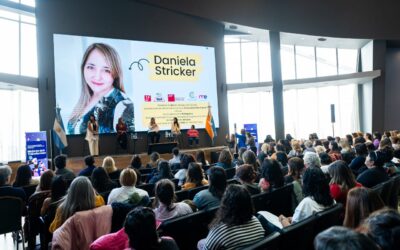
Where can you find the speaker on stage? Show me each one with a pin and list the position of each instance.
(333, 113)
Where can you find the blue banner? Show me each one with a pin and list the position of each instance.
(36, 151)
(252, 129)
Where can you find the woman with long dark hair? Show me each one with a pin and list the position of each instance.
(164, 172)
(194, 177)
(234, 225)
(271, 176)
(101, 181)
(211, 197)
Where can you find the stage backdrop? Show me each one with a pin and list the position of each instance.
(155, 80)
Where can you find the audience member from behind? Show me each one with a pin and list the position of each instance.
(281, 157)
(136, 162)
(296, 167)
(225, 159)
(194, 177)
(361, 202)
(176, 157)
(127, 180)
(81, 196)
(154, 157)
(246, 175)
(5, 187)
(317, 197)
(326, 160)
(271, 176)
(334, 151)
(165, 206)
(201, 158)
(58, 190)
(164, 172)
(101, 181)
(234, 225)
(309, 147)
(377, 139)
(240, 158)
(342, 180)
(296, 149)
(357, 165)
(344, 239)
(311, 160)
(109, 166)
(24, 177)
(263, 153)
(89, 161)
(45, 181)
(186, 159)
(211, 197)
(61, 163)
(375, 174)
(140, 226)
(249, 157)
(383, 227)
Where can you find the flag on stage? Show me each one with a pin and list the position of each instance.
(210, 125)
(59, 136)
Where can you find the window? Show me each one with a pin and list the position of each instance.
(326, 61)
(287, 62)
(249, 62)
(21, 108)
(305, 62)
(347, 60)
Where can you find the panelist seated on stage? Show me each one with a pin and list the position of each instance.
(122, 136)
(154, 131)
(193, 135)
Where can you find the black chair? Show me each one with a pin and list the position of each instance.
(383, 189)
(146, 170)
(149, 188)
(105, 195)
(230, 173)
(299, 235)
(182, 195)
(277, 202)
(29, 190)
(175, 166)
(11, 209)
(269, 243)
(192, 192)
(332, 216)
(394, 192)
(232, 181)
(189, 229)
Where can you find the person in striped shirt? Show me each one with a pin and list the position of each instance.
(234, 225)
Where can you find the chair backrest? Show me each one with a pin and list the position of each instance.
(299, 235)
(182, 195)
(269, 243)
(230, 173)
(277, 202)
(383, 189)
(146, 170)
(175, 166)
(394, 192)
(11, 209)
(332, 216)
(192, 192)
(149, 188)
(189, 229)
(29, 190)
(232, 181)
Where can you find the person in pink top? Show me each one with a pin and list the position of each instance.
(193, 135)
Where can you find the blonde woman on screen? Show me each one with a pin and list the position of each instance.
(102, 92)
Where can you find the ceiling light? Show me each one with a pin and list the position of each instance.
(322, 39)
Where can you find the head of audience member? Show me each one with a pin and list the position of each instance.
(326, 145)
(296, 146)
(140, 227)
(100, 179)
(217, 181)
(246, 174)
(361, 149)
(387, 154)
(80, 197)
(164, 170)
(289, 137)
(249, 157)
(334, 147)
(241, 152)
(318, 143)
(348, 156)
(5, 175)
(370, 146)
(45, 180)
(325, 159)
(175, 151)
(315, 185)
(23, 177)
(387, 134)
(271, 150)
(344, 144)
(201, 157)
(186, 159)
(385, 142)
(136, 162)
(272, 173)
(296, 167)
(195, 174)
(165, 193)
(265, 148)
(89, 160)
(349, 139)
(311, 160)
(225, 157)
(109, 164)
(320, 149)
(383, 227)
(268, 139)
(341, 175)
(368, 137)
(154, 157)
(359, 139)
(60, 161)
(236, 207)
(374, 159)
(279, 147)
(343, 238)
(58, 188)
(361, 202)
(128, 178)
(308, 144)
(282, 158)
(287, 144)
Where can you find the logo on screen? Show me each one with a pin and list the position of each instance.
(158, 98)
(171, 97)
(203, 97)
(147, 98)
(192, 96)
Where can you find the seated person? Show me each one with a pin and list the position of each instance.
(89, 161)
(5, 187)
(247, 175)
(186, 159)
(61, 162)
(164, 172)
(154, 131)
(212, 196)
(128, 180)
(193, 135)
(176, 158)
(194, 177)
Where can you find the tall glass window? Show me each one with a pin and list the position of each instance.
(288, 62)
(347, 60)
(326, 61)
(305, 62)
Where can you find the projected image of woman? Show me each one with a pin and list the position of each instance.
(102, 92)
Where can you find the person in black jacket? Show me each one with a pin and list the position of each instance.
(375, 174)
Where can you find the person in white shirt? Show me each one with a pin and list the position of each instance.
(128, 180)
(176, 157)
(317, 197)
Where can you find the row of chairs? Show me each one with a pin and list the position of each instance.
(389, 191)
